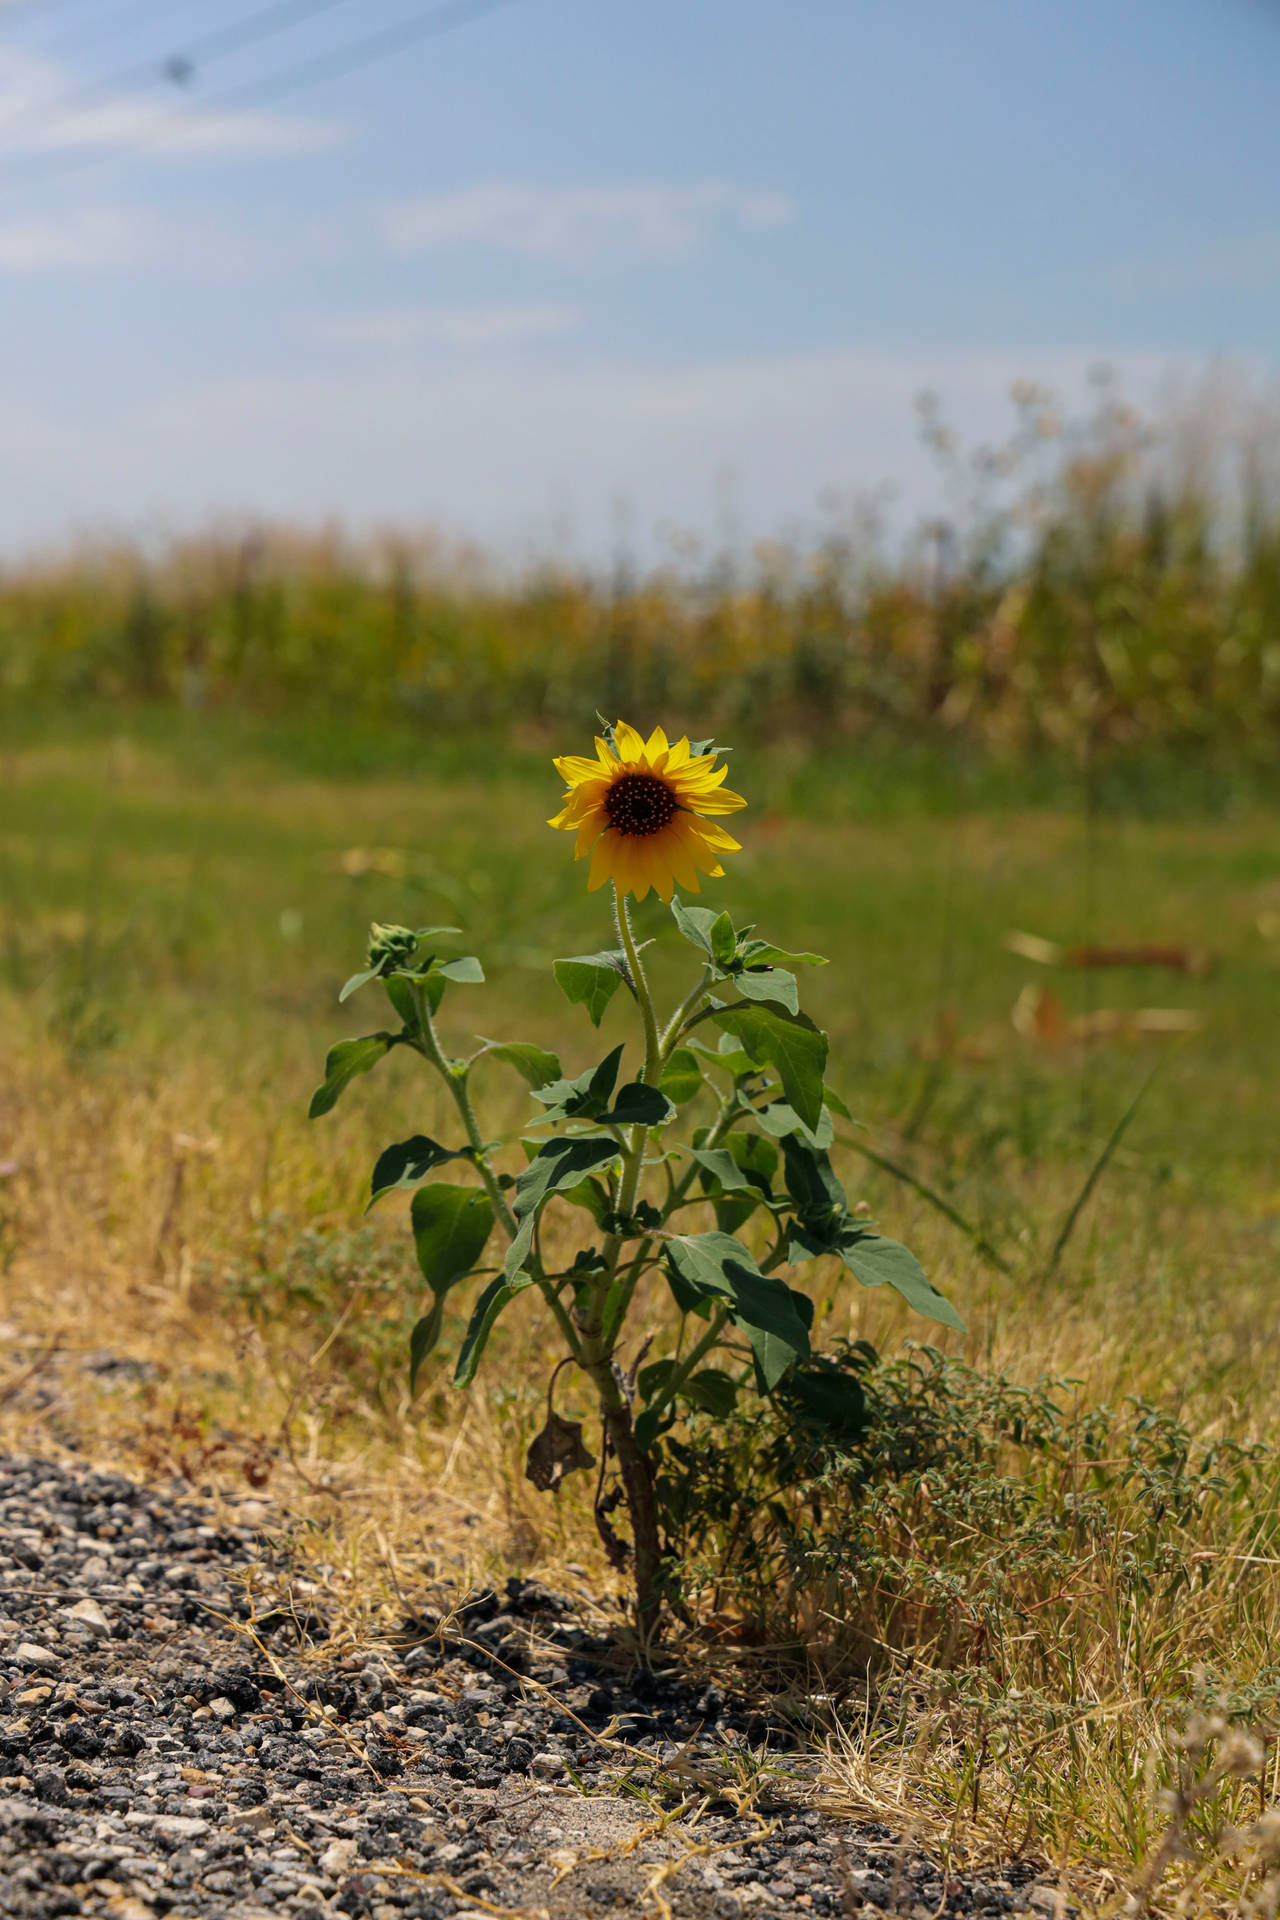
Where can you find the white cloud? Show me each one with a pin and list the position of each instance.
(398, 327)
(578, 226)
(42, 111)
(89, 239)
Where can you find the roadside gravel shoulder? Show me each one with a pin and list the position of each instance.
(159, 1758)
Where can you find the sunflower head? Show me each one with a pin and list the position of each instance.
(641, 808)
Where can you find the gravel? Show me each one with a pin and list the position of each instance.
(156, 1761)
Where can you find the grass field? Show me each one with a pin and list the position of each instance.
(180, 899)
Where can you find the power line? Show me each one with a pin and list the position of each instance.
(181, 66)
(366, 51)
(373, 47)
(122, 17)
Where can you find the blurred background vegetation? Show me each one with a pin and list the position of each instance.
(1101, 587)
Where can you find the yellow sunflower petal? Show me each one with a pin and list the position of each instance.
(656, 744)
(679, 755)
(591, 793)
(704, 780)
(722, 802)
(573, 768)
(678, 858)
(588, 833)
(602, 855)
(716, 837)
(628, 867)
(628, 744)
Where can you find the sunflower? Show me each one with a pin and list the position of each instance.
(636, 809)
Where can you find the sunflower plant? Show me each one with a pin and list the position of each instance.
(705, 1174)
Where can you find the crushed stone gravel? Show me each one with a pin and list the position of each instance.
(155, 1760)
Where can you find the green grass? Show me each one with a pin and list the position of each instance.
(179, 903)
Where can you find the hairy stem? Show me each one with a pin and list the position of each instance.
(457, 1084)
(652, 1045)
(675, 1026)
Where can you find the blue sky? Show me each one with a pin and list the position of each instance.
(695, 257)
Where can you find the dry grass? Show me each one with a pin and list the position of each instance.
(174, 932)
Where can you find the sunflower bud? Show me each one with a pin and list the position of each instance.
(390, 948)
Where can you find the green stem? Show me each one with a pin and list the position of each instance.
(681, 1373)
(652, 1046)
(457, 1084)
(613, 1325)
(675, 1025)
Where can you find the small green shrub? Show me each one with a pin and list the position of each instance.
(956, 1511)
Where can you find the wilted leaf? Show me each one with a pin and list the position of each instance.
(555, 1453)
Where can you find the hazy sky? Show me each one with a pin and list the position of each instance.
(697, 254)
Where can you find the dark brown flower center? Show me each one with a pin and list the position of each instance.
(640, 804)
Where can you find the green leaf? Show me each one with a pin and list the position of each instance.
(723, 939)
(652, 1380)
(590, 980)
(769, 983)
(467, 970)
(357, 981)
(399, 991)
(728, 1056)
(591, 1197)
(343, 1063)
(811, 1181)
(757, 1157)
(788, 1042)
(780, 1118)
(583, 1098)
(497, 1296)
(557, 1167)
(826, 1398)
(640, 1106)
(719, 1164)
(878, 1262)
(735, 1209)
(776, 1320)
(695, 923)
(874, 1261)
(410, 1161)
(707, 1266)
(450, 1228)
(682, 1076)
(650, 1424)
(696, 1264)
(534, 1064)
(715, 1392)
(422, 1340)
(561, 1164)
(758, 953)
(837, 1105)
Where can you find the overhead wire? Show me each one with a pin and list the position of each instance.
(179, 67)
(365, 51)
(111, 23)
